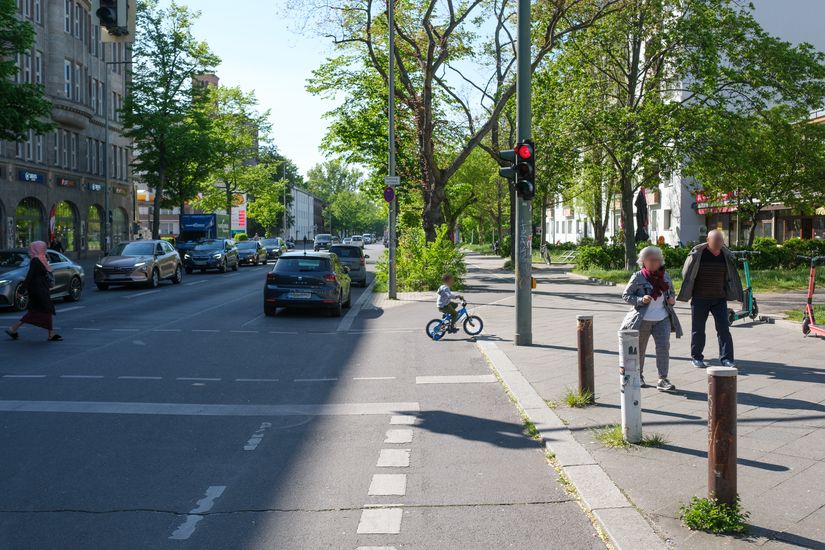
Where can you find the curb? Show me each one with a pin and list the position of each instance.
(623, 523)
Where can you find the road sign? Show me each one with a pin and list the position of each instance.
(392, 181)
(389, 193)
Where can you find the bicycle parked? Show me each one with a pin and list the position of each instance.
(473, 325)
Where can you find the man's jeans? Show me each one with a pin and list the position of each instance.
(451, 309)
(700, 308)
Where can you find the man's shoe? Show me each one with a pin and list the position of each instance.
(728, 363)
(700, 364)
(642, 381)
(665, 385)
(452, 330)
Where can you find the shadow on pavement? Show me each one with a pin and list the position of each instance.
(509, 435)
(741, 461)
(745, 398)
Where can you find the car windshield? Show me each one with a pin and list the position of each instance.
(10, 258)
(302, 264)
(134, 249)
(357, 238)
(271, 242)
(247, 245)
(346, 251)
(323, 238)
(210, 245)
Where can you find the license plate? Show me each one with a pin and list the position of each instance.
(299, 295)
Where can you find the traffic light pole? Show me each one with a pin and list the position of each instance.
(391, 275)
(524, 216)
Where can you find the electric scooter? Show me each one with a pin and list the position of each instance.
(749, 306)
(809, 325)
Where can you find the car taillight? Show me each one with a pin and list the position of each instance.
(331, 278)
(271, 277)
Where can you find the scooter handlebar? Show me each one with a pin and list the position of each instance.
(814, 260)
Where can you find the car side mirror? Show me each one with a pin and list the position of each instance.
(346, 269)
(366, 255)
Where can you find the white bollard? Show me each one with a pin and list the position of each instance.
(630, 385)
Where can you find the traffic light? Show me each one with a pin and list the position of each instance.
(508, 172)
(117, 17)
(525, 169)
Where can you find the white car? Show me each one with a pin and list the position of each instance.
(367, 238)
(358, 239)
(347, 240)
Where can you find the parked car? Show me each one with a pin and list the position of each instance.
(336, 239)
(290, 244)
(367, 238)
(322, 242)
(316, 280)
(347, 240)
(274, 247)
(139, 262)
(358, 240)
(220, 254)
(14, 264)
(252, 253)
(353, 257)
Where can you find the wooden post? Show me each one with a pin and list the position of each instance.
(584, 333)
(630, 385)
(722, 434)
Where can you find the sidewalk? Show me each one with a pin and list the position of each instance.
(781, 412)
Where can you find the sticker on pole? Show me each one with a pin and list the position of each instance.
(389, 194)
(392, 181)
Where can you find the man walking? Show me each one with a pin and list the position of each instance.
(710, 280)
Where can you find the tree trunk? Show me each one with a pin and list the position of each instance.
(752, 230)
(629, 222)
(156, 202)
(432, 215)
(229, 208)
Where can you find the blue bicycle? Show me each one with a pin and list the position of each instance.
(437, 328)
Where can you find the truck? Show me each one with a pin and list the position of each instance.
(196, 227)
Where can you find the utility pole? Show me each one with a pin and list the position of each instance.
(392, 286)
(524, 216)
(286, 188)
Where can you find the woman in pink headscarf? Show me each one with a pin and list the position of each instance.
(38, 284)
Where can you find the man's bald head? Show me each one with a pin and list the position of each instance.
(716, 240)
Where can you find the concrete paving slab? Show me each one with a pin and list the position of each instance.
(628, 529)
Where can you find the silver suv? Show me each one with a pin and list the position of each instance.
(139, 262)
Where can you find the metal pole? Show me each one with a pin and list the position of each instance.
(286, 188)
(584, 332)
(106, 206)
(630, 385)
(722, 434)
(391, 275)
(524, 216)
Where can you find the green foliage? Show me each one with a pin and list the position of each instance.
(22, 106)
(170, 240)
(421, 264)
(605, 257)
(240, 237)
(611, 437)
(708, 514)
(578, 399)
(799, 314)
(773, 255)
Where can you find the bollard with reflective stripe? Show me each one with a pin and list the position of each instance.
(631, 385)
(722, 433)
(584, 337)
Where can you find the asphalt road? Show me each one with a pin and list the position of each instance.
(181, 417)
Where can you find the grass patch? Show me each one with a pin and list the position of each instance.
(530, 429)
(798, 314)
(712, 516)
(552, 403)
(578, 399)
(653, 440)
(479, 248)
(613, 438)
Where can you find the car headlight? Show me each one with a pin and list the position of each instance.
(217, 255)
(99, 266)
(4, 282)
(140, 264)
(187, 257)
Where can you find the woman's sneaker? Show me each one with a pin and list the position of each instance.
(665, 385)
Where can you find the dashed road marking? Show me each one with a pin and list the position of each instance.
(380, 521)
(204, 330)
(393, 458)
(125, 330)
(399, 435)
(196, 379)
(376, 548)
(256, 380)
(139, 294)
(349, 318)
(283, 332)
(24, 376)
(460, 379)
(166, 330)
(315, 380)
(90, 376)
(403, 419)
(374, 378)
(185, 530)
(140, 378)
(257, 437)
(244, 331)
(87, 329)
(193, 283)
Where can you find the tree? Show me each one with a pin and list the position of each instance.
(22, 105)
(266, 194)
(166, 57)
(764, 158)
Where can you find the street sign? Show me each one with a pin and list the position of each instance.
(389, 194)
(392, 181)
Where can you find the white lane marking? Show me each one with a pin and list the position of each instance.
(388, 484)
(139, 342)
(349, 318)
(256, 380)
(282, 332)
(253, 320)
(380, 521)
(204, 330)
(68, 309)
(166, 330)
(24, 376)
(139, 294)
(374, 378)
(193, 283)
(87, 329)
(393, 458)
(460, 379)
(399, 435)
(185, 530)
(125, 330)
(257, 437)
(315, 380)
(376, 548)
(384, 330)
(403, 420)
(197, 379)
(202, 409)
(245, 331)
(81, 376)
(140, 378)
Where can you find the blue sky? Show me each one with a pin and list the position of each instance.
(260, 52)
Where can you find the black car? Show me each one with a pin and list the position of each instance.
(252, 253)
(274, 247)
(307, 280)
(322, 242)
(220, 254)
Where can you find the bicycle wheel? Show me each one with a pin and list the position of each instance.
(436, 329)
(473, 325)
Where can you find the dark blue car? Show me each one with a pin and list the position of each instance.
(315, 280)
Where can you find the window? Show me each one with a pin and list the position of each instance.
(18, 62)
(65, 142)
(21, 147)
(666, 219)
(113, 164)
(38, 67)
(57, 147)
(77, 20)
(113, 111)
(67, 16)
(26, 8)
(100, 158)
(99, 108)
(74, 150)
(27, 68)
(29, 145)
(67, 78)
(77, 86)
(38, 12)
(93, 147)
(38, 148)
(96, 40)
(89, 155)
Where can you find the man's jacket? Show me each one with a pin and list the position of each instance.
(733, 286)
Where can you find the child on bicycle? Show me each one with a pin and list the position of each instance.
(445, 297)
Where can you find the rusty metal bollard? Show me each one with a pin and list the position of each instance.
(722, 434)
(584, 335)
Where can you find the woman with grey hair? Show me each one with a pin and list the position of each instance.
(650, 292)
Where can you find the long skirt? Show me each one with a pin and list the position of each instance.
(39, 319)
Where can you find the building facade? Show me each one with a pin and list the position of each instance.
(60, 176)
(302, 215)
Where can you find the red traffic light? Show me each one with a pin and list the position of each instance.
(524, 151)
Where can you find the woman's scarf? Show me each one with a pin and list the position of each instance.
(657, 279)
(37, 249)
